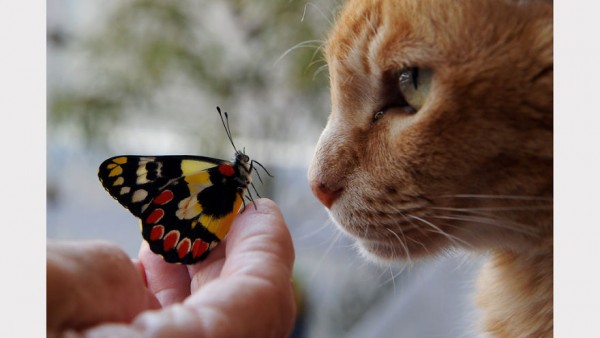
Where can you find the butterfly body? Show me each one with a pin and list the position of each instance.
(185, 204)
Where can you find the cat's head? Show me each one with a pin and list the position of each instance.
(440, 132)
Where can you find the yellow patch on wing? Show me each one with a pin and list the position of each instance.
(220, 226)
(120, 160)
(198, 182)
(201, 178)
(116, 171)
(141, 170)
(119, 181)
(143, 179)
(190, 167)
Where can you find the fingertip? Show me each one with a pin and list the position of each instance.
(261, 230)
(262, 217)
(262, 206)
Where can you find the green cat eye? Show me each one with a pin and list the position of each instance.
(414, 84)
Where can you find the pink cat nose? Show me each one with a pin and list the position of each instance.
(324, 193)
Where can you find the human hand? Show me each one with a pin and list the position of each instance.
(243, 289)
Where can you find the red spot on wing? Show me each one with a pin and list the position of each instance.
(155, 216)
(226, 170)
(164, 197)
(170, 240)
(199, 248)
(157, 232)
(184, 247)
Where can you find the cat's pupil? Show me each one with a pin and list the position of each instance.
(410, 76)
(415, 77)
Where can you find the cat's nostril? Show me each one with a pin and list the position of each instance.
(324, 193)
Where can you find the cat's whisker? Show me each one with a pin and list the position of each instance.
(366, 231)
(477, 212)
(393, 275)
(508, 225)
(383, 271)
(402, 244)
(508, 197)
(380, 276)
(410, 207)
(318, 9)
(475, 209)
(485, 215)
(316, 44)
(325, 225)
(319, 71)
(419, 243)
(322, 67)
(438, 230)
(318, 48)
(314, 62)
(413, 226)
(392, 278)
(317, 266)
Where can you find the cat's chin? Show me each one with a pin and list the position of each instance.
(376, 251)
(386, 248)
(380, 253)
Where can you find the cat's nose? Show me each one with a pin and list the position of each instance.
(326, 194)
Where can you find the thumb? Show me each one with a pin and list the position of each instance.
(91, 282)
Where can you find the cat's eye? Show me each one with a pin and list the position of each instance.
(404, 91)
(414, 84)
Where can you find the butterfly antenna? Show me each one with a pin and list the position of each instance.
(225, 122)
(256, 171)
(262, 166)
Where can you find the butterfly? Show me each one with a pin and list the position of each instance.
(185, 203)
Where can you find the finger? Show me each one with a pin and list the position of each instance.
(170, 283)
(92, 282)
(260, 243)
(254, 294)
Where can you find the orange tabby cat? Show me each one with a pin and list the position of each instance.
(440, 136)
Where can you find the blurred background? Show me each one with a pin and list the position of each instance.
(144, 77)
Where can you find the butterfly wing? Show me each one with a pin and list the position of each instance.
(186, 204)
(134, 180)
